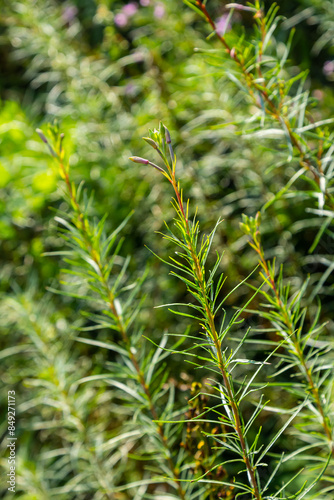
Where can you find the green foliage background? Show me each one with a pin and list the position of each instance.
(106, 84)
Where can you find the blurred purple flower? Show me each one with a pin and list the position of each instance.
(121, 20)
(130, 9)
(144, 3)
(159, 11)
(223, 25)
(130, 90)
(328, 68)
(318, 94)
(69, 13)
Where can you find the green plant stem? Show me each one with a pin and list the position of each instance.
(299, 352)
(199, 275)
(84, 227)
(263, 35)
(274, 111)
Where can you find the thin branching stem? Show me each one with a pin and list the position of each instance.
(83, 225)
(159, 140)
(199, 275)
(271, 108)
(285, 314)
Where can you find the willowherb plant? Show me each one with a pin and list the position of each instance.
(137, 376)
(282, 111)
(220, 358)
(262, 76)
(307, 351)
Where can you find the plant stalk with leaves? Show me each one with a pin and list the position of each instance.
(190, 267)
(287, 315)
(92, 250)
(270, 93)
(193, 264)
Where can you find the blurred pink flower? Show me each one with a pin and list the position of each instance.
(69, 13)
(159, 11)
(130, 9)
(121, 20)
(144, 3)
(130, 89)
(318, 94)
(223, 25)
(328, 68)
